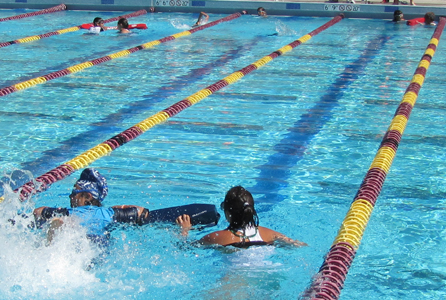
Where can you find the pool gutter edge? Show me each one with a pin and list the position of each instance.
(309, 9)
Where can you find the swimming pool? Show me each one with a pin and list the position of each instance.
(300, 133)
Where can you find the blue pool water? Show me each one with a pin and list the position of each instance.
(300, 133)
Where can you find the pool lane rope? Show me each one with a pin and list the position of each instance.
(42, 183)
(77, 68)
(329, 281)
(66, 30)
(57, 8)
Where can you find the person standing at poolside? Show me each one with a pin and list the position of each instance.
(244, 229)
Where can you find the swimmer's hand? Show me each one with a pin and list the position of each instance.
(55, 226)
(184, 222)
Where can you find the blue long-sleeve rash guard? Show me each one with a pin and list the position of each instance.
(96, 219)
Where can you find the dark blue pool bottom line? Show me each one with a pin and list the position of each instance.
(61, 66)
(109, 125)
(274, 174)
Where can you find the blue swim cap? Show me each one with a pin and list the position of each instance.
(94, 183)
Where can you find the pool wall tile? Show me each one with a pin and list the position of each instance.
(198, 3)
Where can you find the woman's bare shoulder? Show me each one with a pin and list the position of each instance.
(221, 237)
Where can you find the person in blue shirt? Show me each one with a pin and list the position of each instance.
(86, 205)
(86, 199)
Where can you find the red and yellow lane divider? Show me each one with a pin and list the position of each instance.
(43, 182)
(39, 80)
(331, 276)
(36, 13)
(66, 30)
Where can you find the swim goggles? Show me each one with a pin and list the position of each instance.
(74, 192)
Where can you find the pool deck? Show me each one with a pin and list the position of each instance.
(373, 9)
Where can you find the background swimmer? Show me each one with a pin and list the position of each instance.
(398, 16)
(200, 20)
(261, 12)
(123, 26)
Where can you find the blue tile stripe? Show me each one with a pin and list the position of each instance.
(274, 174)
(293, 6)
(198, 3)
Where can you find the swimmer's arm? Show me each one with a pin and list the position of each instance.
(199, 21)
(38, 212)
(55, 224)
(287, 240)
(131, 214)
(269, 234)
(206, 16)
(45, 213)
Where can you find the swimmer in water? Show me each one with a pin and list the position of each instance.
(86, 204)
(202, 19)
(123, 26)
(261, 12)
(243, 230)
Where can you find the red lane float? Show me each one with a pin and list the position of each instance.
(36, 13)
(415, 21)
(43, 182)
(138, 26)
(71, 29)
(329, 281)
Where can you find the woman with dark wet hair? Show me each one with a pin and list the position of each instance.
(398, 16)
(243, 230)
(429, 18)
(123, 26)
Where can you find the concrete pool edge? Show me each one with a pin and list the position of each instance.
(308, 9)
